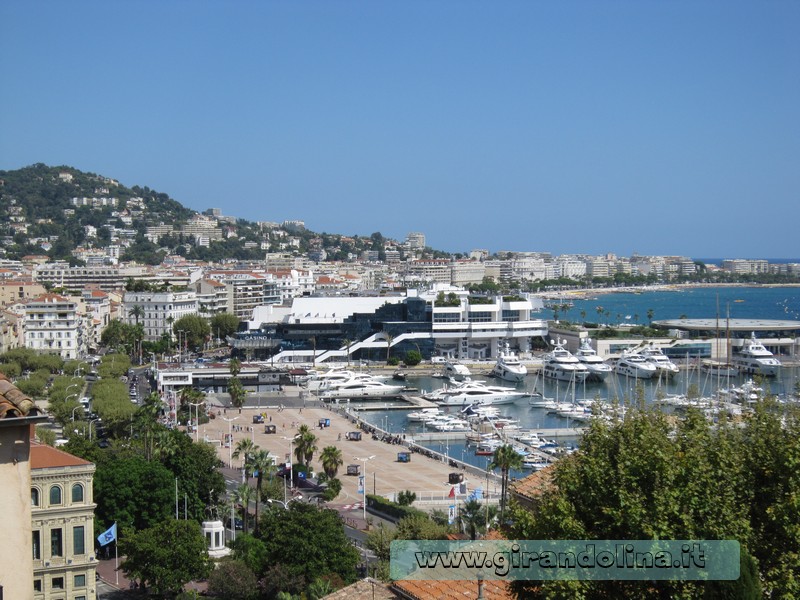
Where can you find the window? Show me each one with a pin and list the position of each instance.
(37, 585)
(57, 583)
(56, 547)
(55, 495)
(34, 497)
(77, 493)
(37, 545)
(80, 597)
(78, 540)
(80, 581)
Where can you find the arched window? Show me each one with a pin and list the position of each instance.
(34, 497)
(55, 495)
(77, 493)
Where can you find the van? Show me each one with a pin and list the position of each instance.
(438, 360)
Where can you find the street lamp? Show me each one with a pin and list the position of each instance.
(291, 480)
(285, 505)
(364, 475)
(73, 411)
(197, 420)
(230, 438)
(90, 426)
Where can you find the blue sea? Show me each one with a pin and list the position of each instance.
(689, 302)
(701, 302)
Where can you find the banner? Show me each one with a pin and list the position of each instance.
(108, 536)
(361, 484)
(451, 514)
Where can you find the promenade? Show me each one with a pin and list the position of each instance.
(426, 476)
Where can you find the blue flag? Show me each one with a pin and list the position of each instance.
(108, 536)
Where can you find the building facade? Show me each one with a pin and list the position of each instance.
(52, 325)
(157, 311)
(62, 525)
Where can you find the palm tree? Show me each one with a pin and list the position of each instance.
(236, 392)
(389, 339)
(472, 518)
(305, 445)
(137, 312)
(650, 313)
(347, 343)
(235, 367)
(245, 448)
(505, 459)
(262, 463)
(331, 459)
(319, 588)
(244, 494)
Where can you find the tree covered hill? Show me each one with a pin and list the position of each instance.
(56, 210)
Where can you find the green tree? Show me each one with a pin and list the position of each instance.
(305, 445)
(237, 393)
(233, 580)
(224, 325)
(505, 458)
(244, 494)
(196, 330)
(245, 448)
(406, 498)
(308, 542)
(331, 459)
(235, 367)
(474, 516)
(167, 556)
(121, 484)
(413, 358)
(263, 465)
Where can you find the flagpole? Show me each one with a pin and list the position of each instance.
(116, 556)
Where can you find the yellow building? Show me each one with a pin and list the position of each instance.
(62, 512)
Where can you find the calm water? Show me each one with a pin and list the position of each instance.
(694, 303)
(744, 302)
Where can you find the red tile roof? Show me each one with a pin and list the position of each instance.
(534, 485)
(426, 589)
(46, 457)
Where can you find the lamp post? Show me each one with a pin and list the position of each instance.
(180, 347)
(230, 438)
(90, 426)
(291, 480)
(73, 411)
(364, 475)
(197, 419)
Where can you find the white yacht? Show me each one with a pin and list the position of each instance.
(655, 356)
(358, 388)
(473, 392)
(335, 377)
(755, 359)
(456, 371)
(562, 365)
(424, 415)
(598, 368)
(508, 366)
(633, 364)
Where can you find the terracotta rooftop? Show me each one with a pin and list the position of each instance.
(47, 457)
(13, 403)
(363, 589)
(534, 485)
(426, 589)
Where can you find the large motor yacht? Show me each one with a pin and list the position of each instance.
(508, 366)
(598, 368)
(655, 356)
(633, 364)
(755, 359)
(473, 392)
(562, 365)
(456, 371)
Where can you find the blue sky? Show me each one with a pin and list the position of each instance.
(563, 126)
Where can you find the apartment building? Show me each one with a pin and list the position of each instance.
(157, 311)
(62, 525)
(52, 324)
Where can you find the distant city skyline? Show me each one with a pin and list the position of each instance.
(564, 127)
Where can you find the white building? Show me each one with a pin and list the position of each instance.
(157, 311)
(52, 325)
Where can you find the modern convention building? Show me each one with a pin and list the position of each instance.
(444, 321)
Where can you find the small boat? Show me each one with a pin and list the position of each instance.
(719, 369)
(456, 371)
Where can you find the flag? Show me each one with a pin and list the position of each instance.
(361, 484)
(452, 493)
(478, 493)
(451, 514)
(108, 536)
(462, 489)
